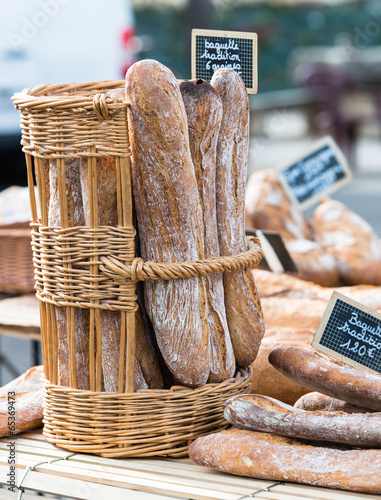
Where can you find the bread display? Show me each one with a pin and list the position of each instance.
(204, 114)
(329, 376)
(315, 401)
(351, 240)
(268, 207)
(243, 308)
(169, 217)
(277, 458)
(264, 414)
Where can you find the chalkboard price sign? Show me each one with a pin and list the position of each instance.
(212, 50)
(321, 170)
(350, 332)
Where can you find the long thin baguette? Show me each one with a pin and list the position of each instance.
(266, 456)
(315, 401)
(329, 376)
(261, 413)
(169, 217)
(243, 308)
(81, 316)
(204, 113)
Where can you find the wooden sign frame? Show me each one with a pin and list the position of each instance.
(241, 35)
(323, 323)
(342, 161)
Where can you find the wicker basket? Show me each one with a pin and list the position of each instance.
(95, 268)
(16, 259)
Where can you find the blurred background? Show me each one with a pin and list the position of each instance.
(319, 72)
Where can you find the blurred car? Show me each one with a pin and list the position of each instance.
(60, 41)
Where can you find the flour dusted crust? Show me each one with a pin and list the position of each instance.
(351, 240)
(169, 217)
(243, 308)
(315, 401)
(81, 316)
(204, 113)
(27, 403)
(293, 312)
(265, 456)
(266, 379)
(268, 207)
(313, 262)
(328, 376)
(260, 413)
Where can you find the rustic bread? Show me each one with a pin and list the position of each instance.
(169, 217)
(351, 240)
(204, 113)
(329, 376)
(315, 401)
(243, 308)
(277, 458)
(313, 262)
(293, 312)
(268, 207)
(264, 414)
(266, 379)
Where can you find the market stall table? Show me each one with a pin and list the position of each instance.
(44, 468)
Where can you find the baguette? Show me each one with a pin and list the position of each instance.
(277, 458)
(264, 414)
(204, 113)
(81, 316)
(314, 401)
(243, 307)
(169, 217)
(328, 376)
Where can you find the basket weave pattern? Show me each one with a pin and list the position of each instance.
(95, 268)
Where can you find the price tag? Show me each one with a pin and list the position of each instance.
(212, 50)
(275, 254)
(350, 332)
(320, 171)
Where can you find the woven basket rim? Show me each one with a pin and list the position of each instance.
(241, 376)
(78, 94)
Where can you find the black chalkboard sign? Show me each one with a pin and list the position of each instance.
(321, 170)
(275, 254)
(212, 50)
(350, 332)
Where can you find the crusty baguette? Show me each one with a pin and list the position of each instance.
(277, 458)
(81, 316)
(329, 376)
(260, 413)
(315, 401)
(243, 308)
(204, 112)
(169, 217)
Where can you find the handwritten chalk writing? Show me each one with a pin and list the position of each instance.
(364, 326)
(223, 53)
(361, 350)
(230, 44)
(368, 339)
(318, 184)
(215, 67)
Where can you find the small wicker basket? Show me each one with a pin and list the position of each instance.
(16, 259)
(95, 268)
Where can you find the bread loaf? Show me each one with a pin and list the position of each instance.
(315, 401)
(21, 403)
(329, 376)
(243, 308)
(169, 217)
(264, 414)
(268, 207)
(75, 217)
(204, 113)
(277, 458)
(266, 379)
(293, 312)
(352, 242)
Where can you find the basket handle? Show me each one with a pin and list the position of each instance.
(140, 270)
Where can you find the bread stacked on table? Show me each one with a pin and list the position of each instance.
(335, 247)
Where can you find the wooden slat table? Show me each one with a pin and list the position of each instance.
(78, 476)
